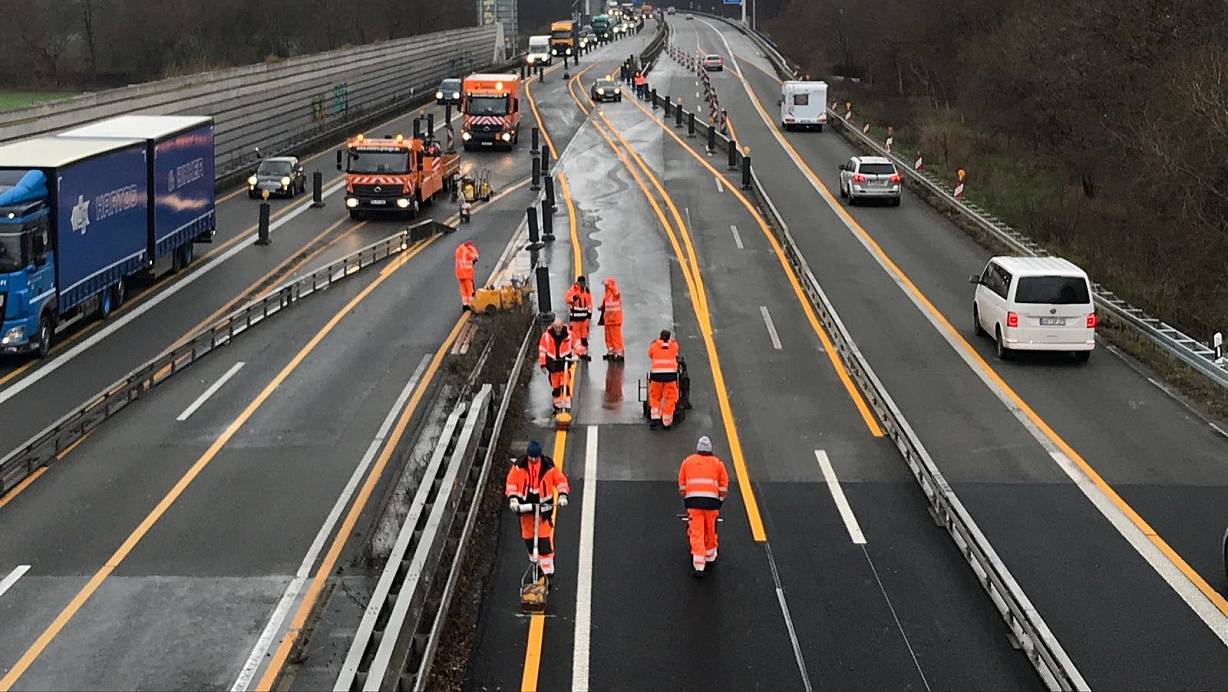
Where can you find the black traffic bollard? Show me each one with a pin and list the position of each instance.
(654, 98)
(690, 125)
(746, 172)
(545, 158)
(536, 135)
(522, 72)
(733, 155)
(543, 290)
(262, 229)
(549, 198)
(541, 73)
(534, 234)
(317, 189)
(565, 67)
(668, 112)
(430, 126)
(711, 139)
(536, 183)
(678, 115)
(547, 223)
(447, 126)
(454, 186)
(417, 128)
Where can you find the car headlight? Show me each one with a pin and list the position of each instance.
(438, 95)
(466, 136)
(569, 51)
(456, 95)
(285, 181)
(600, 92)
(351, 202)
(403, 203)
(507, 136)
(252, 181)
(14, 335)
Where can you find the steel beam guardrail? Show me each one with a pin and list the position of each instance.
(42, 448)
(1194, 353)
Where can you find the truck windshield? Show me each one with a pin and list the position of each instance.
(10, 252)
(487, 105)
(561, 34)
(379, 162)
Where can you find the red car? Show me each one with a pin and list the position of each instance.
(714, 62)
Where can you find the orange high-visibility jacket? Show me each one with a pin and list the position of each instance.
(580, 301)
(535, 480)
(552, 353)
(703, 481)
(663, 361)
(612, 304)
(466, 255)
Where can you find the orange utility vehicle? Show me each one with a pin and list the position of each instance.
(491, 107)
(393, 174)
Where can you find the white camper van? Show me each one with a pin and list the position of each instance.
(539, 51)
(803, 104)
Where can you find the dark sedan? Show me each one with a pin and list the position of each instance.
(605, 90)
(449, 91)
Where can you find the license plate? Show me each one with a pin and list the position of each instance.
(379, 202)
(1053, 321)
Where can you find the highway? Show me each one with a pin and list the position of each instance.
(216, 533)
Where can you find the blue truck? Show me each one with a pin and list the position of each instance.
(83, 215)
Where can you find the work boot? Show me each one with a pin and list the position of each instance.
(607, 356)
(699, 573)
(654, 424)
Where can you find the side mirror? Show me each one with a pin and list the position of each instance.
(975, 279)
(258, 154)
(339, 164)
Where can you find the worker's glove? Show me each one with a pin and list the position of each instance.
(514, 505)
(562, 500)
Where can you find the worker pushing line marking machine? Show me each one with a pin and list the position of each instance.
(534, 484)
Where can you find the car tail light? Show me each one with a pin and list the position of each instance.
(1012, 319)
(895, 178)
(1091, 320)
(858, 178)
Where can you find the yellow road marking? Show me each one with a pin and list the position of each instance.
(68, 450)
(904, 281)
(533, 653)
(829, 348)
(278, 661)
(25, 483)
(61, 620)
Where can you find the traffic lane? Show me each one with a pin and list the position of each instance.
(983, 446)
(795, 405)
(1110, 410)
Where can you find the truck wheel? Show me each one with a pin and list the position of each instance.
(44, 337)
(105, 304)
(121, 293)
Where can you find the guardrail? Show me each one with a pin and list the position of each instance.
(397, 640)
(648, 57)
(42, 449)
(1027, 629)
(1198, 355)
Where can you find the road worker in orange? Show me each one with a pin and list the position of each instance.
(534, 481)
(703, 483)
(612, 320)
(662, 380)
(641, 85)
(580, 302)
(554, 352)
(466, 258)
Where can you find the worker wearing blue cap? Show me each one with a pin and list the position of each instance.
(534, 481)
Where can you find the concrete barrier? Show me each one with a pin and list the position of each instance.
(278, 106)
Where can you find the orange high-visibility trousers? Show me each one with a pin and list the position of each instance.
(545, 540)
(614, 339)
(701, 532)
(560, 388)
(579, 335)
(466, 290)
(662, 398)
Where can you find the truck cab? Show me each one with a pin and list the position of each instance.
(539, 51)
(601, 28)
(491, 111)
(563, 38)
(803, 104)
(27, 263)
(393, 174)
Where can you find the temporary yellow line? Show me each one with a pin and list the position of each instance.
(278, 661)
(829, 348)
(25, 483)
(904, 281)
(528, 91)
(61, 620)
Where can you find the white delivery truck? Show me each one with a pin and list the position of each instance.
(803, 104)
(539, 51)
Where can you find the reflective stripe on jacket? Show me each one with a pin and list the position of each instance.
(612, 307)
(466, 255)
(553, 353)
(580, 301)
(534, 481)
(703, 481)
(663, 361)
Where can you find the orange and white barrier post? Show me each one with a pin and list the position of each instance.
(848, 110)
(865, 129)
(959, 184)
(918, 165)
(890, 139)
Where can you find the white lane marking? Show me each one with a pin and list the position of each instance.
(200, 400)
(784, 610)
(771, 327)
(61, 360)
(719, 187)
(261, 650)
(837, 495)
(584, 572)
(732, 58)
(7, 582)
(737, 237)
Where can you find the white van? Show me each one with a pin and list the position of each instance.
(539, 51)
(803, 104)
(1035, 304)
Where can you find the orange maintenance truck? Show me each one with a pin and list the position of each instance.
(491, 108)
(393, 174)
